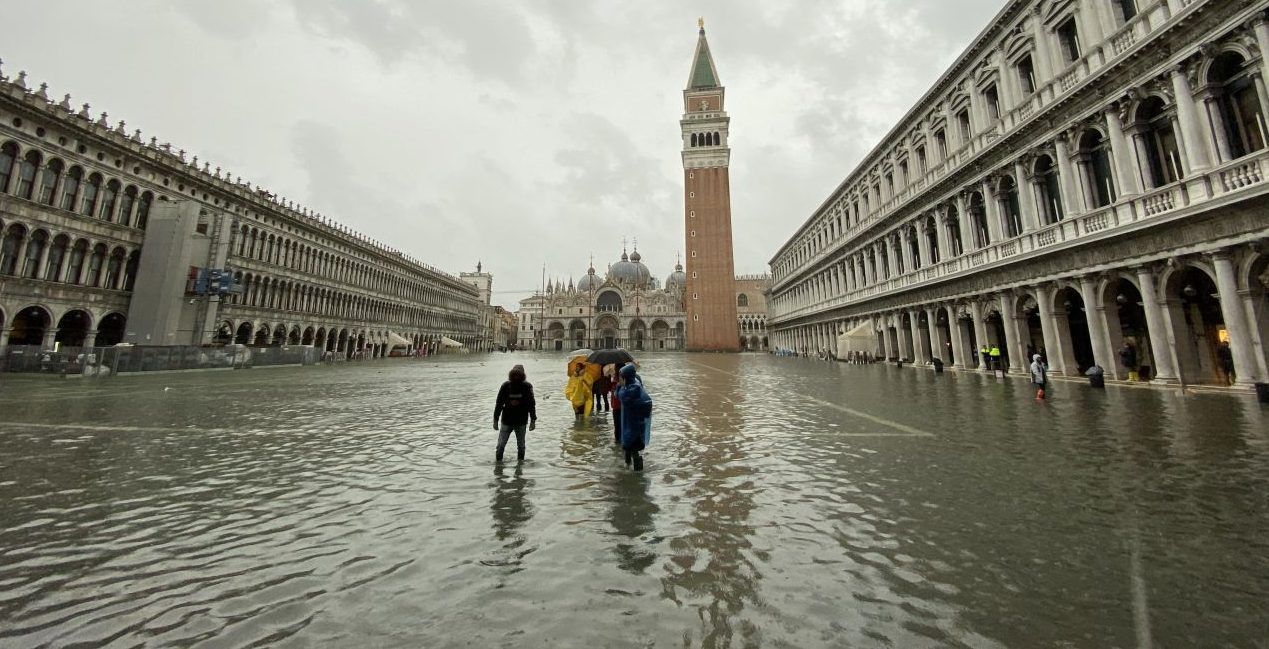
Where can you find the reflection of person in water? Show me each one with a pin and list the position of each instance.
(632, 515)
(510, 508)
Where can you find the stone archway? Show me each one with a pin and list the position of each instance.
(223, 336)
(111, 328)
(262, 336)
(1075, 343)
(1194, 311)
(1126, 325)
(29, 326)
(243, 335)
(73, 328)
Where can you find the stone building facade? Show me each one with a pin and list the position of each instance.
(1088, 173)
(710, 289)
(76, 193)
(751, 310)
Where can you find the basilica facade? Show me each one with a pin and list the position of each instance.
(629, 307)
(1087, 181)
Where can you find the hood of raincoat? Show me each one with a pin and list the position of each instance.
(628, 371)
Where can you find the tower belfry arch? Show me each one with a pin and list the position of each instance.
(710, 288)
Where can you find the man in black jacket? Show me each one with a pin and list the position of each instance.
(515, 407)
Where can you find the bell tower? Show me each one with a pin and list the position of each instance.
(710, 293)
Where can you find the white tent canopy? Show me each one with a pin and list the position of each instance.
(397, 341)
(450, 342)
(859, 339)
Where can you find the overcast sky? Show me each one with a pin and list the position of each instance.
(518, 133)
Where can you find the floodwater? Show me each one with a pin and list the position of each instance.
(786, 503)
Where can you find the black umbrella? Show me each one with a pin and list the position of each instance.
(603, 357)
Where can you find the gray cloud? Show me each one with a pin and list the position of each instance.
(521, 133)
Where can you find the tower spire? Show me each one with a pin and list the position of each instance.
(704, 74)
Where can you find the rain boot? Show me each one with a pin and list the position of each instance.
(638, 461)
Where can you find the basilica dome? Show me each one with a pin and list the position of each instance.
(591, 282)
(630, 270)
(677, 279)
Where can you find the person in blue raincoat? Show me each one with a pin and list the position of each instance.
(636, 415)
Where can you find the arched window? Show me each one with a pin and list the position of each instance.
(26, 174)
(1156, 138)
(952, 221)
(88, 204)
(932, 239)
(70, 186)
(717, 140)
(143, 209)
(76, 264)
(108, 199)
(34, 249)
(114, 268)
(56, 255)
(130, 270)
(8, 155)
(9, 249)
(693, 139)
(978, 220)
(125, 204)
(914, 247)
(96, 262)
(1011, 209)
(742, 300)
(1050, 196)
(48, 182)
(1238, 113)
(1094, 163)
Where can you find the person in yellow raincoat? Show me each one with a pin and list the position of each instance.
(581, 376)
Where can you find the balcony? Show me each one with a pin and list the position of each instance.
(1128, 213)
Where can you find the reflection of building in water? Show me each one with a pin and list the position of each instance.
(722, 503)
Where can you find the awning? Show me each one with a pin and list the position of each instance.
(450, 342)
(859, 339)
(397, 341)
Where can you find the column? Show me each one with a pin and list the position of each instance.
(938, 338)
(1258, 339)
(1012, 344)
(966, 223)
(50, 337)
(991, 205)
(1126, 174)
(1070, 198)
(1043, 62)
(90, 339)
(1261, 27)
(958, 345)
(1197, 148)
(945, 246)
(977, 310)
(919, 351)
(885, 338)
(1026, 198)
(1246, 371)
(905, 249)
(1048, 327)
(1103, 350)
(923, 243)
(905, 338)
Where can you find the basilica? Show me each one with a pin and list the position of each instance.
(629, 307)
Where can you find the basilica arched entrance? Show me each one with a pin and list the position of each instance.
(609, 331)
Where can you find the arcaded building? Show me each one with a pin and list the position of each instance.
(78, 193)
(1088, 176)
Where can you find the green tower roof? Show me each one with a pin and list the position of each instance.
(704, 75)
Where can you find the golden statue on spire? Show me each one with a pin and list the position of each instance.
(700, 22)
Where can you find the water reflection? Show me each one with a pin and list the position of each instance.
(510, 505)
(710, 568)
(632, 514)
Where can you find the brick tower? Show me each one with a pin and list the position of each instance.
(710, 293)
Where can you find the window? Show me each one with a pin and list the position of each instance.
(1050, 195)
(48, 183)
(920, 154)
(1026, 74)
(1009, 204)
(1094, 158)
(56, 254)
(940, 141)
(26, 175)
(967, 131)
(1163, 161)
(903, 173)
(953, 224)
(978, 220)
(8, 155)
(992, 98)
(108, 198)
(9, 249)
(143, 209)
(1127, 9)
(34, 248)
(742, 300)
(1238, 107)
(890, 185)
(1069, 37)
(70, 185)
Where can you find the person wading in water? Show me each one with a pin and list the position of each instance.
(514, 408)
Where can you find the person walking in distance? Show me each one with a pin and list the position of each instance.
(1039, 376)
(514, 408)
(636, 415)
(1128, 358)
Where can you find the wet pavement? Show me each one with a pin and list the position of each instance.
(786, 503)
